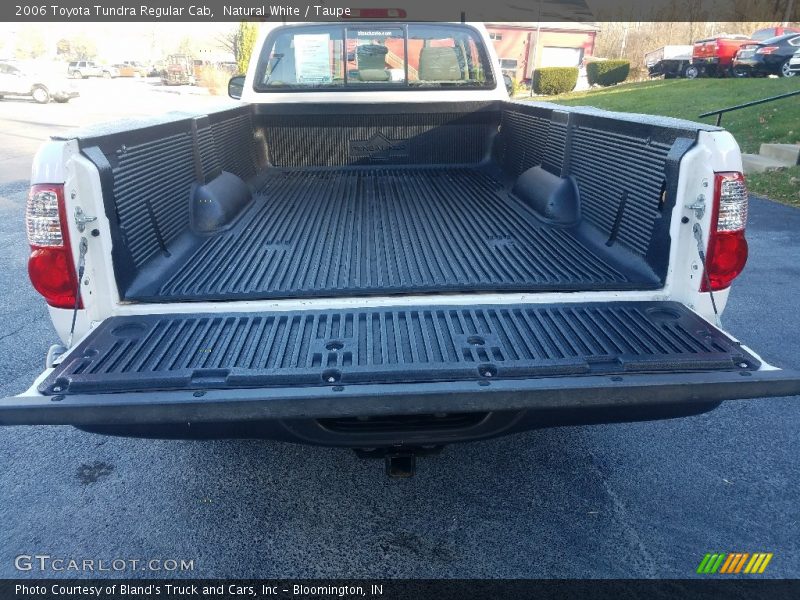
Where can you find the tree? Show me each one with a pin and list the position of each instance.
(227, 39)
(30, 44)
(245, 41)
(63, 48)
(82, 47)
(187, 46)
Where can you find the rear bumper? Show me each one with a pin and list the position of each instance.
(66, 94)
(757, 66)
(670, 66)
(693, 391)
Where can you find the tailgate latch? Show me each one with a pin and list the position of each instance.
(81, 219)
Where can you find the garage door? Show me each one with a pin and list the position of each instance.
(561, 57)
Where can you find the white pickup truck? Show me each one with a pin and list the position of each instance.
(377, 249)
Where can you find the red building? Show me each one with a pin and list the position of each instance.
(521, 47)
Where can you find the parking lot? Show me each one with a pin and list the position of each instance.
(632, 500)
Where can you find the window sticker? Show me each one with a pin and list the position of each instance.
(312, 58)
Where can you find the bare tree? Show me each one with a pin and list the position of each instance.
(227, 40)
(187, 45)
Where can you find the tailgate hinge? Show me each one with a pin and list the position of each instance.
(698, 206)
(81, 219)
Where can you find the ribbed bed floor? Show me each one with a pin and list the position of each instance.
(331, 232)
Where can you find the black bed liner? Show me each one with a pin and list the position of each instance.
(366, 230)
(378, 199)
(391, 346)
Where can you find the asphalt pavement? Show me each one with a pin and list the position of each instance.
(627, 500)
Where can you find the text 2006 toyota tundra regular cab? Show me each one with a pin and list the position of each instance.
(377, 249)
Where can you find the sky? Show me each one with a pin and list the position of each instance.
(119, 41)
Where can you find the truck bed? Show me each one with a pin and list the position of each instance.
(336, 231)
(290, 201)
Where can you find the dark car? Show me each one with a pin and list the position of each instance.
(770, 57)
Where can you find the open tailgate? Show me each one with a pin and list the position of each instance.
(179, 368)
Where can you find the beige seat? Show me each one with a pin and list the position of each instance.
(372, 62)
(439, 64)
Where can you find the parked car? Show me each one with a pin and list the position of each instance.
(352, 259)
(770, 57)
(131, 68)
(794, 63)
(179, 70)
(15, 80)
(81, 69)
(229, 66)
(713, 57)
(157, 69)
(669, 61)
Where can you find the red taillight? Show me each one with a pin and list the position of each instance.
(50, 266)
(726, 254)
(767, 49)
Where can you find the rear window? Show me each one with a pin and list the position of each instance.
(778, 39)
(372, 56)
(763, 34)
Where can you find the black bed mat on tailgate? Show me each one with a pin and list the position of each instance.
(389, 230)
(392, 345)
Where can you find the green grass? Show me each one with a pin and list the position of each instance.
(777, 121)
(781, 185)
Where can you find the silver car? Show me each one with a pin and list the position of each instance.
(794, 63)
(15, 80)
(81, 69)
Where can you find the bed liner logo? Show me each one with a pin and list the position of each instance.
(728, 563)
(379, 148)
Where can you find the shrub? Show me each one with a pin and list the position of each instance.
(555, 80)
(214, 79)
(607, 72)
(516, 87)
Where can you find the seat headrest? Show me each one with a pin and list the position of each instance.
(372, 62)
(439, 64)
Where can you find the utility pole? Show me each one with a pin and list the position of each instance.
(536, 45)
(788, 14)
(625, 28)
